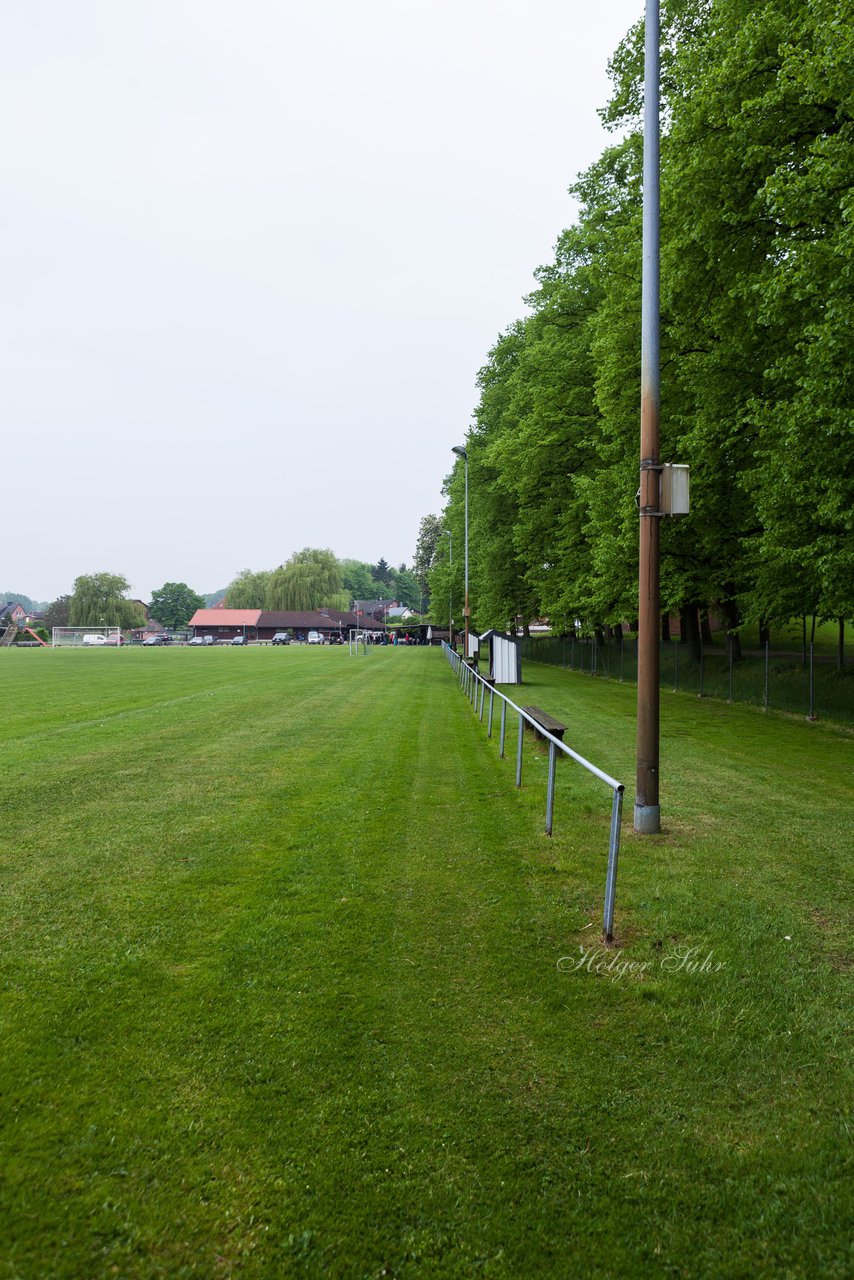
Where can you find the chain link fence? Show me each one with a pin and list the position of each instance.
(772, 679)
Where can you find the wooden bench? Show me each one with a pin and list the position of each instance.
(546, 722)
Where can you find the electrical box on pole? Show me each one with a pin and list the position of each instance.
(675, 485)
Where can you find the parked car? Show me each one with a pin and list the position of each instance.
(94, 640)
(158, 639)
(281, 637)
(314, 637)
(209, 639)
(335, 637)
(238, 639)
(198, 640)
(116, 639)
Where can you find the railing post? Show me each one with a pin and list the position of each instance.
(519, 754)
(812, 685)
(700, 693)
(503, 727)
(767, 654)
(550, 790)
(613, 856)
(482, 699)
(491, 700)
(730, 651)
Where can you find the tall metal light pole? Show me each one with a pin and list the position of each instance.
(463, 453)
(647, 815)
(450, 586)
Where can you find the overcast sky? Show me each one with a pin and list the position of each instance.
(253, 255)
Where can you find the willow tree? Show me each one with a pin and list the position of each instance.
(100, 600)
(248, 590)
(311, 578)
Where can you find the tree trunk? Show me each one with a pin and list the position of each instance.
(840, 648)
(730, 610)
(812, 632)
(689, 626)
(665, 628)
(705, 629)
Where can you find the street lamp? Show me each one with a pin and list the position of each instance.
(463, 453)
(450, 586)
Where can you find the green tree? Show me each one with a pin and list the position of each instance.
(56, 614)
(100, 599)
(357, 580)
(405, 587)
(429, 532)
(309, 579)
(248, 590)
(381, 574)
(31, 606)
(174, 604)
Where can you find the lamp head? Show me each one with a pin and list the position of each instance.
(459, 450)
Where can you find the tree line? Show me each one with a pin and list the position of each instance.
(315, 578)
(757, 219)
(309, 579)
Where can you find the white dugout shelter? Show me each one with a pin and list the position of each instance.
(505, 660)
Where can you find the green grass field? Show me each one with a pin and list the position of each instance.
(292, 981)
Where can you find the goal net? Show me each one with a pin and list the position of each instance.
(86, 637)
(358, 640)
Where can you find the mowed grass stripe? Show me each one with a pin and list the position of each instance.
(283, 999)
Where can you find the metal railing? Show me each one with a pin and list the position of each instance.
(476, 689)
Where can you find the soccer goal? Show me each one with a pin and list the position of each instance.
(85, 637)
(357, 638)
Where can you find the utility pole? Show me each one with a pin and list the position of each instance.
(450, 587)
(463, 453)
(647, 815)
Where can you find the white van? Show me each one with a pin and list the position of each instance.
(94, 639)
(314, 637)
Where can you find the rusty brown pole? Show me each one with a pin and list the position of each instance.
(647, 814)
(463, 453)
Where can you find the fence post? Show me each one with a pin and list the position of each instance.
(572, 653)
(503, 726)
(519, 754)
(621, 653)
(550, 791)
(700, 690)
(812, 714)
(482, 687)
(676, 677)
(767, 649)
(613, 856)
(731, 650)
(491, 700)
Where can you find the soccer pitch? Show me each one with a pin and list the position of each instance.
(294, 984)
